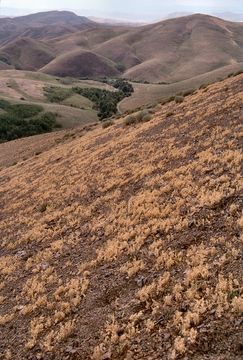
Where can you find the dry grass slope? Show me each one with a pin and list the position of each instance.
(127, 243)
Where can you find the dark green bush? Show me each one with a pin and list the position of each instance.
(57, 94)
(105, 102)
(22, 120)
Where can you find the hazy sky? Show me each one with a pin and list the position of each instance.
(133, 7)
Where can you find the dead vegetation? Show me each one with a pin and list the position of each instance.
(138, 253)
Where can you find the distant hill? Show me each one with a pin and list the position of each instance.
(40, 24)
(81, 63)
(176, 49)
(26, 53)
(53, 17)
(168, 51)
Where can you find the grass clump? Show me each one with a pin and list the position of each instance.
(146, 118)
(107, 124)
(169, 114)
(129, 120)
(188, 92)
(141, 116)
(179, 99)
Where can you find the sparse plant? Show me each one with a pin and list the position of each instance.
(107, 123)
(130, 120)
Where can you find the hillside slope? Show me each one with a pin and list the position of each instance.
(176, 49)
(81, 63)
(168, 51)
(25, 53)
(126, 243)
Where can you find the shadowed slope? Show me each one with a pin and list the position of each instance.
(28, 54)
(126, 243)
(45, 25)
(81, 63)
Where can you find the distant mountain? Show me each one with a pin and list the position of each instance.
(63, 43)
(53, 18)
(222, 15)
(38, 26)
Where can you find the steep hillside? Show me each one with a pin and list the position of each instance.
(126, 243)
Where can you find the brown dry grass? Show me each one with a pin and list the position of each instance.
(126, 243)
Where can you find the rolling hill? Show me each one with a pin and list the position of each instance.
(126, 242)
(26, 53)
(177, 49)
(81, 64)
(168, 51)
(42, 26)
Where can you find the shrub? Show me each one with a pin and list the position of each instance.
(57, 94)
(43, 207)
(238, 72)
(107, 124)
(104, 101)
(124, 86)
(67, 80)
(130, 119)
(170, 113)
(203, 86)
(147, 118)
(22, 120)
(121, 68)
(188, 92)
(141, 116)
(179, 99)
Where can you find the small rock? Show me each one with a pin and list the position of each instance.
(239, 322)
(71, 350)
(44, 266)
(167, 336)
(106, 356)
(141, 281)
